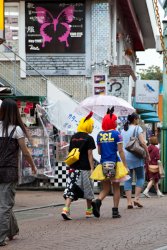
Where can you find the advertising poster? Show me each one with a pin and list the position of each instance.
(55, 27)
(99, 84)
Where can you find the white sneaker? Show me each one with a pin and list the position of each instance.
(160, 194)
(146, 194)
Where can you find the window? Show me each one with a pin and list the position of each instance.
(12, 27)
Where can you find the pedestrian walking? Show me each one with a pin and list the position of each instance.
(12, 138)
(78, 183)
(134, 163)
(109, 141)
(153, 174)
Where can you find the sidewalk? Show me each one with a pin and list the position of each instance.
(30, 199)
(138, 229)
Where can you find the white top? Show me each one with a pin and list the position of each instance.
(18, 133)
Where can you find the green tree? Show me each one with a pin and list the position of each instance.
(151, 73)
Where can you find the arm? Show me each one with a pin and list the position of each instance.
(99, 149)
(26, 154)
(143, 144)
(121, 153)
(90, 158)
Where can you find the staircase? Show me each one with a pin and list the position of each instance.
(12, 68)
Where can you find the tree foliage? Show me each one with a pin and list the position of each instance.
(151, 73)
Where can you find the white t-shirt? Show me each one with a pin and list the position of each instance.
(18, 133)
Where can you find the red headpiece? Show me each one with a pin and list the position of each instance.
(109, 120)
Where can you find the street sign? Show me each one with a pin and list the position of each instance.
(147, 91)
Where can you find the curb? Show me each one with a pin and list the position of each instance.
(35, 208)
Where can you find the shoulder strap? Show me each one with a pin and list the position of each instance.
(6, 145)
(134, 132)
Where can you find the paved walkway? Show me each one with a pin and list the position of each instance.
(41, 229)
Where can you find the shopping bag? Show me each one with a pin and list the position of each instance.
(97, 174)
(161, 169)
(121, 170)
(73, 156)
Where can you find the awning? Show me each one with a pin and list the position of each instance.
(152, 120)
(142, 107)
(149, 115)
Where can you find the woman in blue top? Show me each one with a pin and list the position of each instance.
(109, 141)
(133, 162)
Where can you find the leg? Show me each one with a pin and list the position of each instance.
(128, 190)
(149, 185)
(13, 227)
(139, 185)
(116, 190)
(69, 194)
(106, 185)
(116, 199)
(157, 190)
(7, 192)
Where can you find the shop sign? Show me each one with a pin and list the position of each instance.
(55, 27)
(147, 91)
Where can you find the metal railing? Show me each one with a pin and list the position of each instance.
(11, 70)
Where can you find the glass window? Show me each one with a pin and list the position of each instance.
(12, 27)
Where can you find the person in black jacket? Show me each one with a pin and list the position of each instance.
(12, 137)
(78, 183)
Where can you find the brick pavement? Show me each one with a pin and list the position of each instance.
(138, 229)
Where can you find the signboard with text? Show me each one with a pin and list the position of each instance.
(147, 91)
(55, 27)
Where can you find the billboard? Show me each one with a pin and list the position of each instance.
(147, 91)
(55, 27)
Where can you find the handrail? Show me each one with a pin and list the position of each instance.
(24, 61)
(43, 76)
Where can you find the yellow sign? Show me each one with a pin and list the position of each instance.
(1, 14)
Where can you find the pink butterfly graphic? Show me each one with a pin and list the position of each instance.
(45, 18)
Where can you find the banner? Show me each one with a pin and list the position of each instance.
(1, 17)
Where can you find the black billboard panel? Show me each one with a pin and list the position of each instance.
(55, 27)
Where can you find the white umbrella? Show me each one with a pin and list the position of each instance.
(100, 103)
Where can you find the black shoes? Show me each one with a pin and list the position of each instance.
(96, 204)
(115, 213)
(96, 207)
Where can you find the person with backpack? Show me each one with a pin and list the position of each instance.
(12, 138)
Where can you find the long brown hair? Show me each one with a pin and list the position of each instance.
(9, 115)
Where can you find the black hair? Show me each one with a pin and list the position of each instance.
(130, 120)
(110, 111)
(9, 115)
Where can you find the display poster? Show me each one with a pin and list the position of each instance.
(147, 91)
(55, 27)
(99, 84)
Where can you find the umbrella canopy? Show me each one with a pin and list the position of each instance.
(100, 103)
(148, 115)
